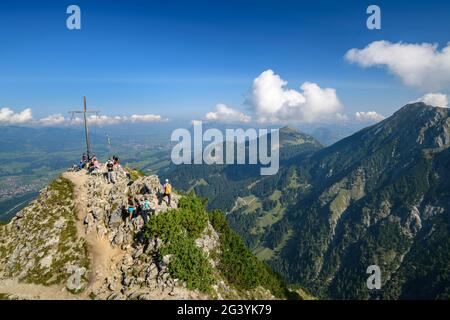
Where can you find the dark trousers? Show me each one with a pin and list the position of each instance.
(168, 197)
(144, 215)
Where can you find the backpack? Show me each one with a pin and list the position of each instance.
(146, 205)
(168, 188)
(109, 165)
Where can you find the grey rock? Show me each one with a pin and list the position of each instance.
(119, 237)
(115, 219)
(75, 281)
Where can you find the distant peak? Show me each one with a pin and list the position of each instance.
(289, 129)
(420, 107)
(418, 104)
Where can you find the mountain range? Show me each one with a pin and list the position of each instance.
(378, 197)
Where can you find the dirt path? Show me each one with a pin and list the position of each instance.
(103, 257)
(18, 290)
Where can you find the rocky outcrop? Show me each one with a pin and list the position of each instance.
(142, 272)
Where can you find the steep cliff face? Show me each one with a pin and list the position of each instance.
(76, 241)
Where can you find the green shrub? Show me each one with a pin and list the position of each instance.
(179, 228)
(194, 218)
(189, 264)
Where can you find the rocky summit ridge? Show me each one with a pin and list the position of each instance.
(75, 241)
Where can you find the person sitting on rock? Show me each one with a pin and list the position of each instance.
(81, 165)
(83, 162)
(93, 165)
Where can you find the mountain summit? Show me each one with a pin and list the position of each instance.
(76, 241)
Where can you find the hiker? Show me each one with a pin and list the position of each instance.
(131, 207)
(138, 207)
(93, 165)
(83, 161)
(110, 171)
(146, 207)
(118, 168)
(167, 187)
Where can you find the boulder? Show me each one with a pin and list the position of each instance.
(115, 219)
(75, 282)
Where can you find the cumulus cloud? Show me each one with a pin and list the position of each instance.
(8, 116)
(25, 117)
(370, 116)
(435, 99)
(422, 66)
(104, 120)
(53, 120)
(224, 113)
(146, 118)
(273, 101)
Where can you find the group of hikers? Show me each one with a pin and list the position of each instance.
(142, 206)
(136, 206)
(113, 167)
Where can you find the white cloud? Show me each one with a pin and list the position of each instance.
(104, 120)
(272, 101)
(435, 100)
(53, 120)
(8, 116)
(227, 114)
(146, 118)
(25, 117)
(371, 116)
(422, 66)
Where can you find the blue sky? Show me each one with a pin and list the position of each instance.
(181, 58)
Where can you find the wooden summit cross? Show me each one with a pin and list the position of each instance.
(85, 112)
